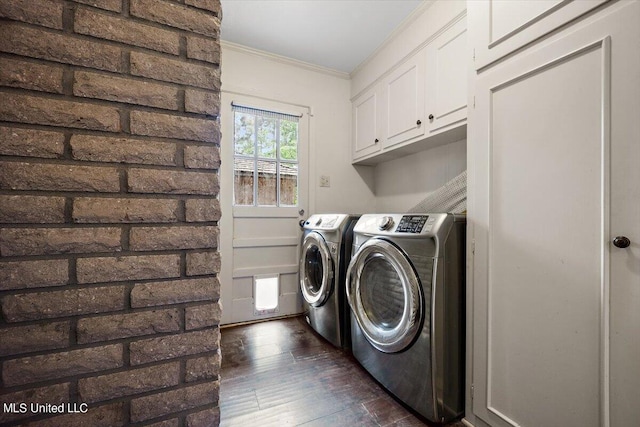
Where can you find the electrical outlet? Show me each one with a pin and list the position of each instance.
(325, 181)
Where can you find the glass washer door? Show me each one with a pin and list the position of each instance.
(316, 269)
(385, 295)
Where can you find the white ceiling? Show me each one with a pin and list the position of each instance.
(336, 34)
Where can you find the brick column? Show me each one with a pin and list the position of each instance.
(109, 156)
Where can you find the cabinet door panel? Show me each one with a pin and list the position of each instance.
(555, 304)
(504, 26)
(366, 137)
(447, 74)
(405, 101)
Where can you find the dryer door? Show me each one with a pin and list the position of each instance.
(316, 269)
(385, 295)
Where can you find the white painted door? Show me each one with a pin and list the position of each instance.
(447, 73)
(556, 143)
(263, 199)
(404, 102)
(507, 25)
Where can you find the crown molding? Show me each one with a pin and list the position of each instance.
(284, 60)
(399, 29)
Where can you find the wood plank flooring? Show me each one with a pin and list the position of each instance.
(281, 373)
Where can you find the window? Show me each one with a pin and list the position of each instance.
(265, 162)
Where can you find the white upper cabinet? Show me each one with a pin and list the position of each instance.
(446, 78)
(418, 103)
(404, 107)
(504, 26)
(367, 124)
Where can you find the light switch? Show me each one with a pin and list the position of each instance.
(324, 181)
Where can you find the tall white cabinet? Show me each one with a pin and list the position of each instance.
(554, 164)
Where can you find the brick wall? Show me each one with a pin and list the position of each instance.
(108, 210)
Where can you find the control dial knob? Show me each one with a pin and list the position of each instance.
(385, 223)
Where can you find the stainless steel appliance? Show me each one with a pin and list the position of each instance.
(405, 287)
(325, 254)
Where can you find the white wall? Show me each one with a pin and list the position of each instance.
(327, 94)
(402, 183)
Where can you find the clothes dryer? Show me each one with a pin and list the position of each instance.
(325, 255)
(405, 287)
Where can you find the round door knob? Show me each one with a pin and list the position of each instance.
(621, 242)
(419, 122)
(430, 116)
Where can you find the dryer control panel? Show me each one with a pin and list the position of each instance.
(412, 223)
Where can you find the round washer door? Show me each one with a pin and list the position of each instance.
(385, 295)
(316, 269)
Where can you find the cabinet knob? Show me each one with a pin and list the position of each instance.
(621, 242)
(430, 116)
(419, 122)
(376, 141)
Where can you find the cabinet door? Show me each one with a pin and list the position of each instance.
(366, 123)
(556, 149)
(505, 26)
(404, 106)
(446, 78)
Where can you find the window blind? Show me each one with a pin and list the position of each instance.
(265, 113)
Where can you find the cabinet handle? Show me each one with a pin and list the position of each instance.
(376, 141)
(621, 242)
(419, 122)
(430, 116)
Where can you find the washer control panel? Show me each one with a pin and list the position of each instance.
(412, 223)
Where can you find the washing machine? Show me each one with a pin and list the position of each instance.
(325, 255)
(406, 291)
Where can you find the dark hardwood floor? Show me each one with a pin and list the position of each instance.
(281, 373)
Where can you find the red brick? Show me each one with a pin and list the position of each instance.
(173, 237)
(41, 337)
(202, 316)
(203, 368)
(175, 70)
(46, 13)
(114, 269)
(156, 405)
(122, 150)
(33, 274)
(174, 422)
(202, 156)
(112, 415)
(203, 49)
(46, 305)
(170, 182)
(207, 418)
(37, 43)
(115, 326)
(59, 365)
(105, 210)
(172, 346)
(202, 102)
(43, 111)
(54, 394)
(125, 30)
(211, 5)
(176, 15)
(31, 142)
(120, 89)
(30, 75)
(58, 177)
(175, 292)
(31, 209)
(133, 381)
(52, 241)
(199, 263)
(202, 210)
(113, 5)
